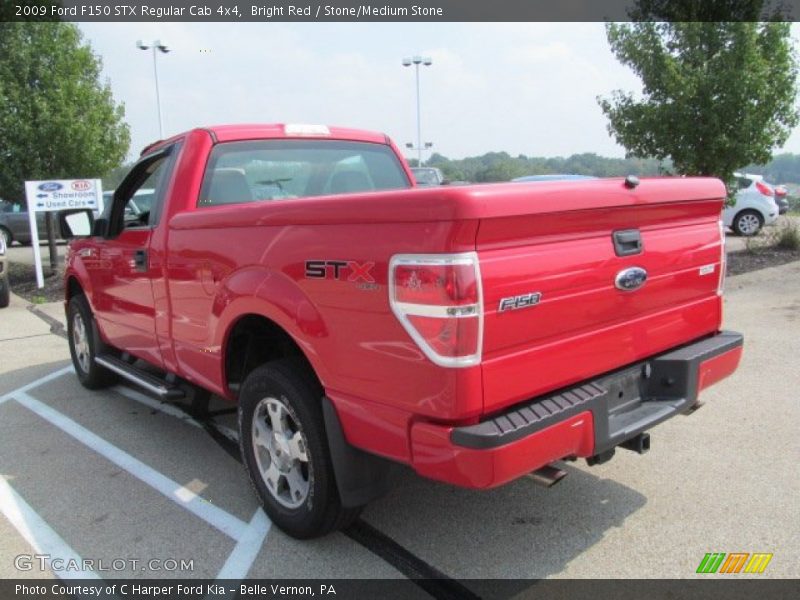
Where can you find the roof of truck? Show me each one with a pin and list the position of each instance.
(228, 133)
(260, 131)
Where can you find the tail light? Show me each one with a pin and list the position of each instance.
(723, 260)
(764, 189)
(439, 301)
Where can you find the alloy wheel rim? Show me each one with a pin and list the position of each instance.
(281, 452)
(748, 224)
(81, 342)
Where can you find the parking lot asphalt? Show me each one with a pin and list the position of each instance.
(117, 474)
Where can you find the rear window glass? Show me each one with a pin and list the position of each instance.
(267, 170)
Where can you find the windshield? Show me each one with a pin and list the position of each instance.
(286, 169)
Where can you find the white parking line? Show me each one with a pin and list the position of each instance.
(247, 548)
(222, 520)
(33, 384)
(40, 535)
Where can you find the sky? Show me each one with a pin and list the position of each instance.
(523, 88)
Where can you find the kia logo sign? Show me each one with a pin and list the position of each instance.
(50, 186)
(81, 185)
(630, 279)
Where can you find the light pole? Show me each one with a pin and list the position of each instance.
(417, 61)
(157, 46)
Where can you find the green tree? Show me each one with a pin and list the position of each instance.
(57, 120)
(114, 177)
(716, 95)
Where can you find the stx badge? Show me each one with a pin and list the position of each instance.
(340, 269)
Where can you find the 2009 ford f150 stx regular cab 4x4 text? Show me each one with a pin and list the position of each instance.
(474, 333)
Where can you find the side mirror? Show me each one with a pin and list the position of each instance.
(75, 223)
(446, 181)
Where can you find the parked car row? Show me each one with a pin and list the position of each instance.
(14, 224)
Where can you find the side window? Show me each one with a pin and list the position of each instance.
(138, 208)
(744, 183)
(137, 201)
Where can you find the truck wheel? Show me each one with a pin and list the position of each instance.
(83, 342)
(748, 223)
(285, 450)
(5, 294)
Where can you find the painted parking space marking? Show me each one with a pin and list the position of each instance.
(36, 383)
(247, 548)
(41, 537)
(214, 516)
(249, 537)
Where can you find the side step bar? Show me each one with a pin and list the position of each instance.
(151, 383)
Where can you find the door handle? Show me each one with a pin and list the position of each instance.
(140, 260)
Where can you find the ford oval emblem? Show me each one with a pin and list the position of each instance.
(630, 279)
(50, 186)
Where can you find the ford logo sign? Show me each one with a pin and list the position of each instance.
(630, 279)
(50, 186)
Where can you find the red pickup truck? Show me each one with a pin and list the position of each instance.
(475, 333)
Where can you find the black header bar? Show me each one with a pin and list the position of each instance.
(399, 11)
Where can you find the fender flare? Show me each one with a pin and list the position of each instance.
(258, 290)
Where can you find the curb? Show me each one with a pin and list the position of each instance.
(56, 326)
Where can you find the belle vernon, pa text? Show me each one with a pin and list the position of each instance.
(168, 591)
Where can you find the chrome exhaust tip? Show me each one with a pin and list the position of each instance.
(547, 476)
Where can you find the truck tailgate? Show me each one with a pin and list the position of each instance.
(553, 312)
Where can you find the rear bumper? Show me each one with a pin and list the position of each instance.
(581, 421)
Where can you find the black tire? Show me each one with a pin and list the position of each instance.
(744, 222)
(90, 374)
(289, 382)
(5, 293)
(6, 234)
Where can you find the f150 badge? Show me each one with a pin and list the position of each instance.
(630, 279)
(521, 301)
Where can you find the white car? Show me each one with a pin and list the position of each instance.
(755, 205)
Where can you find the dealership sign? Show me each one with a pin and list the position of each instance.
(54, 195)
(63, 194)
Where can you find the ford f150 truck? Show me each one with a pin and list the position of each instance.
(476, 334)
